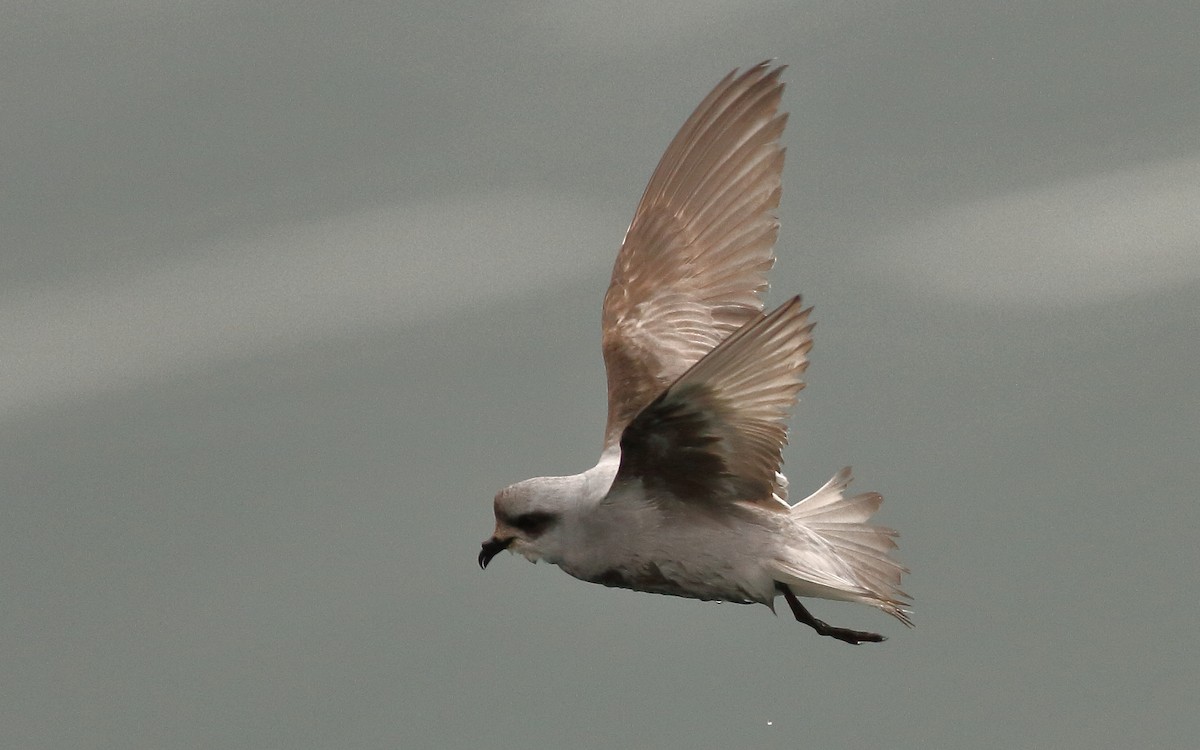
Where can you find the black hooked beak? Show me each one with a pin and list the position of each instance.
(491, 548)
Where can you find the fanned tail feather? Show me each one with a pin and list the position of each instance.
(840, 556)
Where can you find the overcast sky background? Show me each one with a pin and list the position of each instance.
(289, 290)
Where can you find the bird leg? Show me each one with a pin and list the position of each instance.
(823, 628)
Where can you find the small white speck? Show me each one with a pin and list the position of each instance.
(769, 723)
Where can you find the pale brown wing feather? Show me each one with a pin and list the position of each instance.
(695, 259)
(716, 434)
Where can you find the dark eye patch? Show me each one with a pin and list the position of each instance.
(533, 523)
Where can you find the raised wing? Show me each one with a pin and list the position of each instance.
(716, 435)
(696, 257)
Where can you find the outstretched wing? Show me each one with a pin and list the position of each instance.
(696, 257)
(716, 435)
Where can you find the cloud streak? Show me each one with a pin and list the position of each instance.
(281, 288)
(1066, 244)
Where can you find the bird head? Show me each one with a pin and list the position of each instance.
(528, 521)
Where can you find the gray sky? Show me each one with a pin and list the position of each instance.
(287, 291)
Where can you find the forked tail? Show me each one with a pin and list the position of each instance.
(837, 555)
